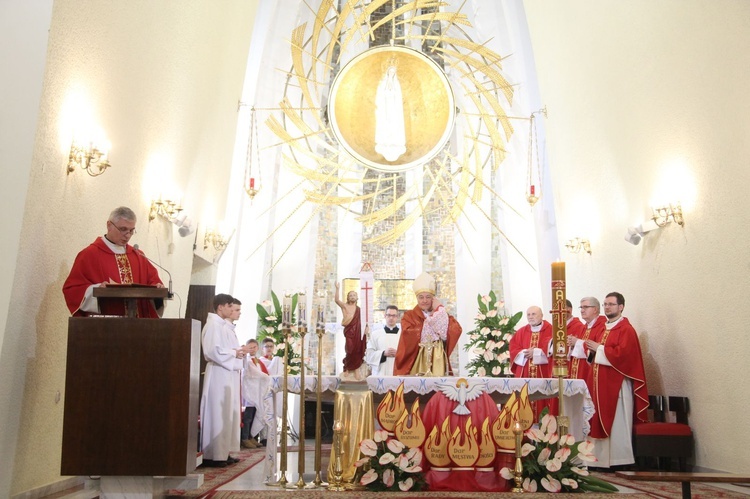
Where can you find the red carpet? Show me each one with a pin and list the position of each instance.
(214, 478)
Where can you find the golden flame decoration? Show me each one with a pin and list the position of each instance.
(486, 446)
(409, 428)
(436, 446)
(502, 427)
(463, 448)
(525, 411)
(391, 408)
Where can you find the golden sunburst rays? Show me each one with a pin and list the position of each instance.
(329, 176)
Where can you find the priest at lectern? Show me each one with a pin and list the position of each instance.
(110, 260)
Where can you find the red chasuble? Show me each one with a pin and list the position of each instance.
(579, 368)
(623, 351)
(96, 264)
(355, 345)
(525, 338)
(411, 335)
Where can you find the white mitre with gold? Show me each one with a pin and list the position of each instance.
(425, 283)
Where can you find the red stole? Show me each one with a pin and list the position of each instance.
(524, 338)
(260, 365)
(579, 368)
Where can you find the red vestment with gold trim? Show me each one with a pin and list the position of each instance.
(411, 335)
(95, 264)
(623, 351)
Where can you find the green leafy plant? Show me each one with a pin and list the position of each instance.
(490, 337)
(269, 318)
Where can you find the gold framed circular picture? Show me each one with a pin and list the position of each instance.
(392, 108)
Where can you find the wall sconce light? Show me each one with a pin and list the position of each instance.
(577, 244)
(90, 158)
(665, 214)
(164, 208)
(215, 238)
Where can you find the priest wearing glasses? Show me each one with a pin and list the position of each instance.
(111, 260)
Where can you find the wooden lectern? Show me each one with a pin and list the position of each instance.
(131, 396)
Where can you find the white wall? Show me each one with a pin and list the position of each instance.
(648, 99)
(162, 80)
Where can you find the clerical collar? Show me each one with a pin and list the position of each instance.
(612, 324)
(593, 321)
(537, 328)
(390, 331)
(116, 248)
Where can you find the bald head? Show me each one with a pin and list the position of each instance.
(534, 315)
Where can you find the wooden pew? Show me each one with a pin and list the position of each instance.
(684, 477)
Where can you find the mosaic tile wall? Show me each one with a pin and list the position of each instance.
(388, 262)
(496, 270)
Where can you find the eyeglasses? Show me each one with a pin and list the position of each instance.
(610, 304)
(391, 315)
(586, 306)
(123, 230)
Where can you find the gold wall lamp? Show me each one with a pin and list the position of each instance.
(577, 244)
(670, 213)
(91, 158)
(164, 208)
(214, 237)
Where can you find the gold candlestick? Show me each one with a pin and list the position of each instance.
(336, 484)
(282, 482)
(302, 329)
(518, 468)
(319, 331)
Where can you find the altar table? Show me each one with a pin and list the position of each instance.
(578, 406)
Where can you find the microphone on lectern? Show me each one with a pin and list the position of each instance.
(169, 291)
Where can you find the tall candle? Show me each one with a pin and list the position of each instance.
(321, 317)
(559, 321)
(286, 316)
(301, 309)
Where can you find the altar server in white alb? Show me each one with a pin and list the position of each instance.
(220, 401)
(381, 349)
